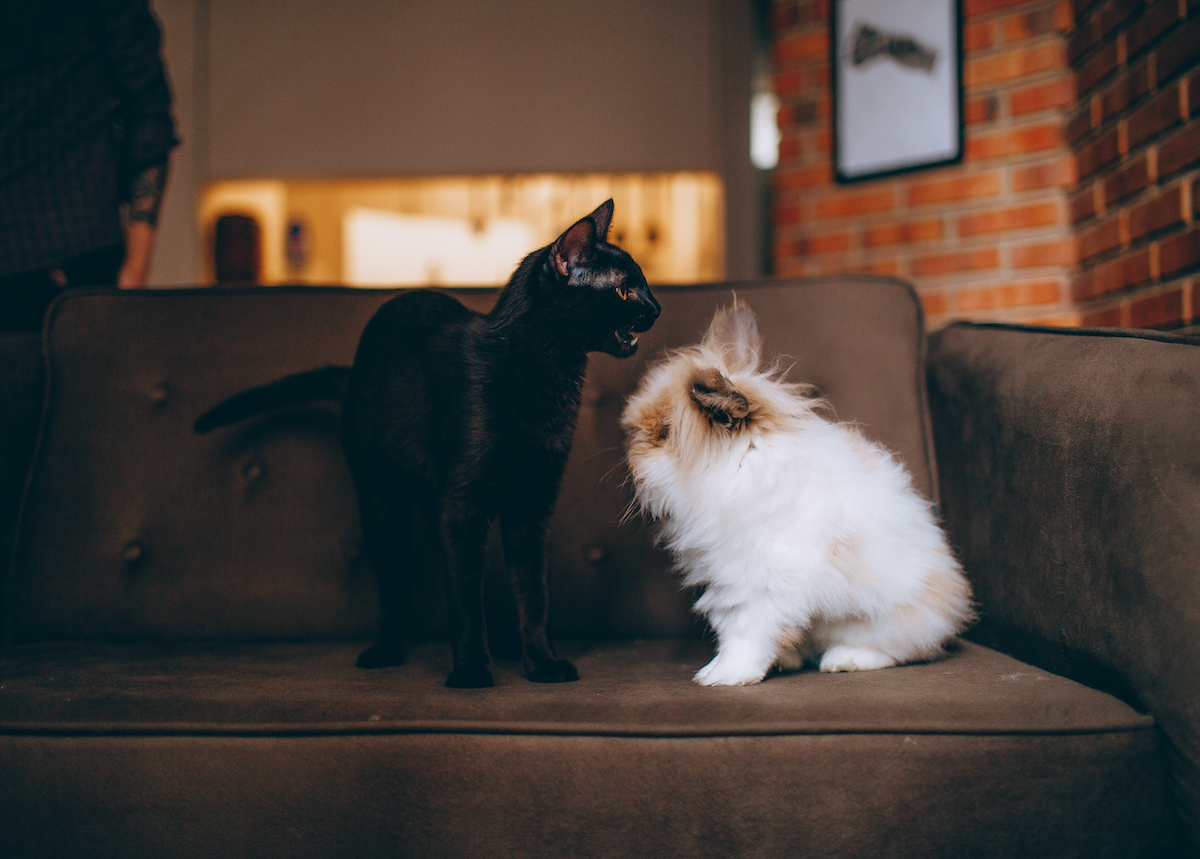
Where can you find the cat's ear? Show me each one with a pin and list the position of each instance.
(718, 397)
(575, 246)
(578, 244)
(603, 217)
(734, 335)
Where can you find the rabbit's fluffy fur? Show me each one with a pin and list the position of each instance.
(808, 540)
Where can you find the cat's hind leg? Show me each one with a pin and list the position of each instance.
(464, 533)
(386, 531)
(525, 552)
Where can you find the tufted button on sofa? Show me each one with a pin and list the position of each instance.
(182, 613)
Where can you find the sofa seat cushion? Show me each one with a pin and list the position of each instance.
(266, 749)
(627, 687)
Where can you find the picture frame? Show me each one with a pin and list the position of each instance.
(897, 86)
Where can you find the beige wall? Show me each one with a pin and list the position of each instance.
(309, 88)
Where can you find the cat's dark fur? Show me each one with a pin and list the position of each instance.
(471, 417)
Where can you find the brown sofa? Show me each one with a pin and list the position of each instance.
(182, 613)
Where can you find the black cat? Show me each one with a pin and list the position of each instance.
(471, 417)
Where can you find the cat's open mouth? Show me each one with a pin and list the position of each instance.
(623, 343)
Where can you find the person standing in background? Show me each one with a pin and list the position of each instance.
(86, 133)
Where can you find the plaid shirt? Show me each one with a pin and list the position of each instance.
(84, 107)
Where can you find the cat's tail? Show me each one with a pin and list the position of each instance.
(323, 383)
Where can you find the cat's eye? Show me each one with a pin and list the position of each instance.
(622, 293)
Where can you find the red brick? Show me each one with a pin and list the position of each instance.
(848, 205)
(790, 180)
(1056, 174)
(903, 234)
(1078, 126)
(1157, 311)
(1058, 253)
(888, 267)
(1122, 273)
(976, 36)
(1178, 50)
(1132, 176)
(1026, 25)
(1179, 253)
(933, 302)
(803, 111)
(1103, 150)
(1083, 40)
(1011, 295)
(1103, 63)
(1006, 220)
(1083, 286)
(981, 109)
(784, 17)
(1042, 97)
(978, 7)
(1125, 91)
(1194, 94)
(1100, 239)
(787, 214)
(1032, 138)
(1155, 116)
(836, 266)
(1160, 213)
(788, 83)
(1014, 64)
(951, 190)
(789, 147)
(1082, 205)
(1113, 14)
(810, 45)
(1108, 318)
(1150, 25)
(973, 260)
(1179, 151)
(823, 244)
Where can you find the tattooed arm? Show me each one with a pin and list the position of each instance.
(141, 220)
(132, 42)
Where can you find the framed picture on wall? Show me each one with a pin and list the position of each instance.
(897, 86)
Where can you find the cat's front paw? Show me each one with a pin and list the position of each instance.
(470, 677)
(843, 658)
(725, 672)
(553, 671)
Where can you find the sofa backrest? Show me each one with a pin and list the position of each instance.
(135, 528)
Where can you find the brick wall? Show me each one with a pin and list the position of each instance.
(1001, 235)
(1136, 138)
(989, 238)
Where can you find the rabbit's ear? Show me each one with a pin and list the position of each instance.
(718, 398)
(734, 335)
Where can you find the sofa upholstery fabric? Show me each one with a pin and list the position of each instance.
(183, 613)
(297, 752)
(1085, 444)
(135, 528)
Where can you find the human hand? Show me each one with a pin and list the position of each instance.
(139, 253)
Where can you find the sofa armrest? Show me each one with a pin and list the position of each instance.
(1069, 464)
(22, 390)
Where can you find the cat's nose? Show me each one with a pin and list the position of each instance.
(649, 312)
